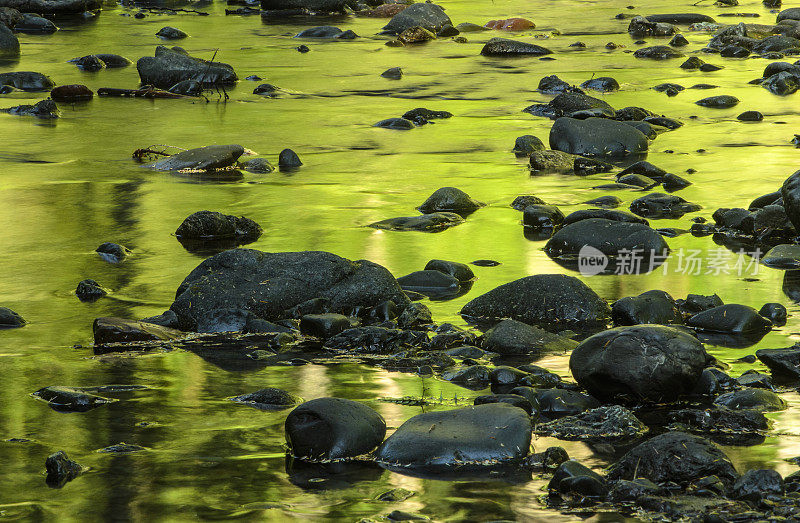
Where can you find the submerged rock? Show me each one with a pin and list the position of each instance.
(644, 362)
(609, 238)
(112, 252)
(657, 52)
(27, 81)
(572, 105)
(333, 428)
(71, 93)
(506, 47)
(653, 307)
(450, 199)
(482, 435)
(732, 318)
(757, 399)
(89, 290)
(782, 362)
(428, 16)
(397, 124)
(170, 66)
(551, 161)
(233, 280)
(208, 225)
(60, 469)
(596, 137)
(119, 330)
(660, 205)
(69, 399)
(526, 144)
(790, 191)
(573, 479)
(432, 222)
(10, 319)
(514, 337)
(551, 301)
(718, 102)
(206, 158)
(674, 456)
(43, 109)
(603, 423)
(171, 33)
(268, 399)
(9, 43)
(460, 271)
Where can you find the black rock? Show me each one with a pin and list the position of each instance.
(660, 205)
(631, 491)
(46, 109)
(375, 340)
(207, 225)
(433, 284)
(165, 319)
(520, 202)
(782, 84)
(449, 199)
(333, 428)
(112, 252)
(460, 271)
(596, 137)
(9, 43)
(775, 43)
(750, 116)
(754, 379)
(586, 166)
(641, 27)
(551, 161)
(572, 104)
(669, 88)
(550, 459)
(208, 158)
(551, 301)
(653, 307)
(790, 191)
(121, 448)
(673, 182)
(27, 81)
(734, 51)
(324, 325)
(785, 256)
(268, 399)
(324, 31)
(171, 33)
(754, 485)
(646, 362)
(187, 88)
(722, 101)
(732, 318)
(695, 303)
(604, 84)
(257, 165)
(69, 399)
(680, 18)
(719, 420)
(482, 435)
(646, 169)
(303, 6)
(525, 145)
(509, 399)
(756, 399)
(32, 24)
(554, 85)
(170, 66)
(9, 319)
(657, 52)
(288, 159)
(60, 469)
(679, 41)
(573, 478)
(425, 114)
(89, 290)
(674, 456)
(557, 403)
(397, 124)
(782, 362)
(433, 222)
(428, 16)
(393, 73)
(637, 180)
(119, 330)
(233, 279)
(473, 377)
(506, 47)
(514, 337)
(542, 216)
(611, 423)
(604, 202)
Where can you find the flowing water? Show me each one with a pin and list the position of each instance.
(67, 186)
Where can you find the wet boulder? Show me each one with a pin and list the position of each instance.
(288, 159)
(450, 199)
(257, 165)
(680, 18)
(9, 43)
(71, 93)
(505, 47)
(69, 399)
(526, 144)
(761, 400)
(375, 340)
(641, 27)
(46, 109)
(60, 469)
(509, 399)
(557, 403)
(54, 7)
(542, 216)
(596, 137)
(722, 101)
(654, 307)
(660, 205)
(171, 33)
(782, 84)
(268, 399)
(472, 377)
(119, 330)
(32, 24)
(552, 84)
(605, 214)
(10, 319)
(421, 113)
(657, 52)
(480, 435)
(674, 456)
(572, 105)
(551, 161)
(514, 337)
(608, 423)
(574, 479)
(610, 238)
(315, 6)
(206, 158)
(396, 124)
(604, 202)
(325, 325)
(459, 271)
(644, 362)
(604, 84)
(269, 284)
(433, 284)
(89, 290)
(775, 43)
(719, 420)
(731, 318)
(550, 301)
(790, 191)
(631, 491)
(755, 485)
(432, 222)
(428, 16)
(112, 252)
(208, 225)
(782, 362)
(333, 428)
(170, 66)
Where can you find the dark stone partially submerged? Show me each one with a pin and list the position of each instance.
(482, 435)
(506, 47)
(674, 456)
(428, 16)
(782, 362)
(596, 137)
(10, 319)
(432, 222)
(60, 469)
(27, 81)
(213, 232)
(89, 290)
(269, 398)
(514, 337)
(333, 428)
(551, 301)
(206, 158)
(69, 399)
(644, 362)
(119, 330)
(170, 66)
(269, 284)
(610, 423)
(450, 199)
(731, 318)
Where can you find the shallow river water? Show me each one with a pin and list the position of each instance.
(67, 186)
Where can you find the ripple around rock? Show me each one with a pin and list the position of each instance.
(483, 435)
